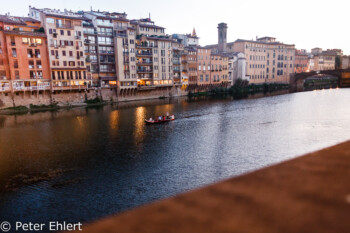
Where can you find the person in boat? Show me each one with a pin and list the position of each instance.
(159, 118)
(150, 119)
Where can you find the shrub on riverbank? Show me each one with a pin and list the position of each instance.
(97, 100)
(42, 106)
(17, 108)
(242, 89)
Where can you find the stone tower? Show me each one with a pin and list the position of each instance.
(222, 36)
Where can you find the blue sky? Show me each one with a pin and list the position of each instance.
(306, 24)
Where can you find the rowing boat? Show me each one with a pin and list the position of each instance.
(167, 119)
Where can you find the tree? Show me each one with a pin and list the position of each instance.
(337, 62)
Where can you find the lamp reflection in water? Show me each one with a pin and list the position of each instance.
(163, 109)
(113, 119)
(139, 132)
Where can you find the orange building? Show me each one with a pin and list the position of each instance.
(191, 64)
(24, 64)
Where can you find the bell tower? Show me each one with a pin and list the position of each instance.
(222, 37)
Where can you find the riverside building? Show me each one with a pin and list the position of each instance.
(154, 55)
(100, 47)
(24, 66)
(267, 60)
(322, 60)
(65, 38)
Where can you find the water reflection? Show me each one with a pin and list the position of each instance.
(116, 162)
(140, 116)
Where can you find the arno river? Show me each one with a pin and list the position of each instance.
(83, 164)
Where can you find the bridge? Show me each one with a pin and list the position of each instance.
(320, 79)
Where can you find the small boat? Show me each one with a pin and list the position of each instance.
(157, 121)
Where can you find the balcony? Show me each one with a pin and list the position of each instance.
(146, 46)
(145, 63)
(77, 37)
(107, 70)
(107, 61)
(146, 54)
(121, 35)
(66, 26)
(106, 52)
(4, 89)
(142, 70)
(31, 88)
(143, 87)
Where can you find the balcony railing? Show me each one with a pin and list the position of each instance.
(140, 70)
(4, 88)
(107, 70)
(67, 26)
(145, 63)
(146, 46)
(144, 54)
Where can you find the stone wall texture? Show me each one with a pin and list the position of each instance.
(78, 97)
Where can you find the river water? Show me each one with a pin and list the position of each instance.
(83, 164)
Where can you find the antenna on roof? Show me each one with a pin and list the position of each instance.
(90, 8)
(149, 15)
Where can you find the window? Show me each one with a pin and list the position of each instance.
(14, 53)
(50, 20)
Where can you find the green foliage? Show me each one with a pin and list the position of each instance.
(17, 108)
(41, 30)
(42, 106)
(337, 62)
(97, 100)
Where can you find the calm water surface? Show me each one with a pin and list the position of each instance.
(110, 161)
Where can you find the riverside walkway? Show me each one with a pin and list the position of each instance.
(308, 194)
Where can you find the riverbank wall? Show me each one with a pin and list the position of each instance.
(78, 97)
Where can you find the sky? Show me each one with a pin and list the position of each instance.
(305, 23)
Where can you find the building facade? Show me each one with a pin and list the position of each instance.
(301, 63)
(322, 60)
(268, 61)
(64, 31)
(24, 64)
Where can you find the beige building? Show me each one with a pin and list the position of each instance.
(322, 60)
(124, 40)
(154, 54)
(268, 61)
(64, 32)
